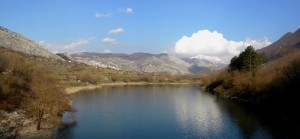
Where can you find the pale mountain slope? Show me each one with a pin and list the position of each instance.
(140, 62)
(17, 42)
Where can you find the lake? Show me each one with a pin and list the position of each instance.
(154, 112)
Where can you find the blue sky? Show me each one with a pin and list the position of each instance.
(179, 27)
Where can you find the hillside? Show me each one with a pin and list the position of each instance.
(139, 62)
(286, 44)
(30, 92)
(18, 42)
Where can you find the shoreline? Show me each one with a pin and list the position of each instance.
(72, 90)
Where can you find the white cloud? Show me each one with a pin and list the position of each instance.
(126, 10)
(75, 44)
(98, 15)
(107, 51)
(129, 10)
(213, 43)
(65, 48)
(109, 40)
(116, 31)
(41, 42)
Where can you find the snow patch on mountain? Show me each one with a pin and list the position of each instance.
(214, 60)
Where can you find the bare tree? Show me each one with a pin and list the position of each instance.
(47, 100)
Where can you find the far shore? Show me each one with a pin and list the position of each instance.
(75, 89)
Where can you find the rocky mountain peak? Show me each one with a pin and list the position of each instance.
(214, 60)
(201, 63)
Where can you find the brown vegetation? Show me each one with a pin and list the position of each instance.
(31, 86)
(270, 80)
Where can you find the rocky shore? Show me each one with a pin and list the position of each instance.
(16, 125)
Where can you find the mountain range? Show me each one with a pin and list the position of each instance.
(142, 62)
(139, 62)
(145, 62)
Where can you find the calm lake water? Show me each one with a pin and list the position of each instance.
(154, 112)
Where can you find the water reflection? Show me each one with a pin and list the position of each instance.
(160, 112)
(198, 115)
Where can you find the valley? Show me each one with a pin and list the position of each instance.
(26, 67)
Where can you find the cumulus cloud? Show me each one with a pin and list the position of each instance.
(129, 10)
(205, 42)
(107, 51)
(109, 40)
(98, 15)
(116, 31)
(65, 48)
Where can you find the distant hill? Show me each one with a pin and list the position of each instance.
(145, 62)
(286, 44)
(140, 62)
(18, 42)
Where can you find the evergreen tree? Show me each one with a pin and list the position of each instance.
(234, 63)
(248, 60)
